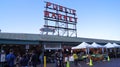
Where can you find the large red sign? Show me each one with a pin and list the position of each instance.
(60, 8)
(68, 16)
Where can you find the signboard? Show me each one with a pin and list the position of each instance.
(47, 29)
(52, 45)
(60, 18)
(27, 46)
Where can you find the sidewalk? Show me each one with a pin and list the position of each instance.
(112, 63)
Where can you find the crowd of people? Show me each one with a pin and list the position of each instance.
(33, 59)
(25, 60)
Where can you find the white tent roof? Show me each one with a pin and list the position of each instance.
(76, 47)
(95, 45)
(109, 45)
(82, 45)
(116, 45)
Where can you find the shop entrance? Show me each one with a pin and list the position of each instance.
(49, 51)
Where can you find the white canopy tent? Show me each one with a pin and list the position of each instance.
(109, 45)
(116, 45)
(82, 45)
(95, 45)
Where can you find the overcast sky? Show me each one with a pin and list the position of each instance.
(96, 18)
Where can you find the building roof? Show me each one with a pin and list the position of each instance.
(50, 38)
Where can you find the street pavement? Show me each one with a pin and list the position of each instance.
(112, 63)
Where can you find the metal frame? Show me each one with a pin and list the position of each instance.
(62, 28)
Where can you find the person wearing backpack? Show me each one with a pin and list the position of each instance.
(10, 58)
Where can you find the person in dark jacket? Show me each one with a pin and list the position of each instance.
(34, 59)
(24, 61)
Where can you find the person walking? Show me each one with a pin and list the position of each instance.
(34, 59)
(75, 56)
(2, 58)
(56, 59)
(24, 61)
(10, 58)
(41, 56)
(18, 58)
(61, 59)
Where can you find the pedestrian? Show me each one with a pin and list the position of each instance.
(41, 56)
(24, 61)
(75, 56)
(59, 62)
(18, 58)
(2, 58)
(34, 59)
(61, 59)
(56, 59)
(10, 58)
